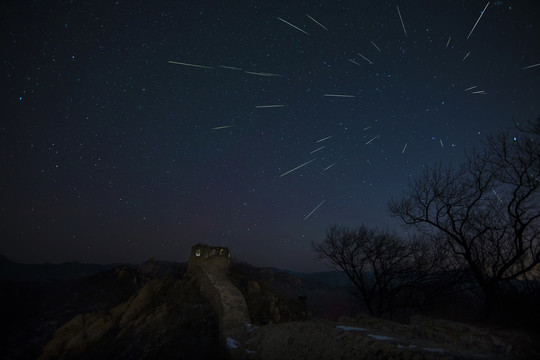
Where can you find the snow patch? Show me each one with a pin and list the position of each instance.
(232, 344)
(250, 328)
(350, 328)
(380, 337)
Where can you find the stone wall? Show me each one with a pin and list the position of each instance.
(209, 265)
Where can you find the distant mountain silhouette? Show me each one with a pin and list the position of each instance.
(332, 278)
(12, 271)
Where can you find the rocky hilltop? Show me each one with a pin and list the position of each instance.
(165, 318)
(160, 311)
(369, 338)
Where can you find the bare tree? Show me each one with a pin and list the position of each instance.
(389, 273)
(487, 211)
(530, 128)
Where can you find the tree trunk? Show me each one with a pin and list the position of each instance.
(492, 309)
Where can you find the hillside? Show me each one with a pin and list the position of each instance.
(156, 311)
(12, 271)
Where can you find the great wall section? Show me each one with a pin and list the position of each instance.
(361, 338)
(165, 318)
(209, 265)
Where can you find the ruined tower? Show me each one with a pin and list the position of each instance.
(209, 266)
(209, 257)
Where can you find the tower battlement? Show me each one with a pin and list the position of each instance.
(210, 257)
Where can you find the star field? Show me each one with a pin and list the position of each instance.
(114, 150)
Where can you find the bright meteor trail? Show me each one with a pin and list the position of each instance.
(312, 211)
(298, 167)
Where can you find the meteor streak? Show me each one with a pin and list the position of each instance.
(192, 65)
(339, 95)
(403, 151)
(326, 138)
(476, 23)
(316, 22)
(312, 211)
(365, 58)
(222, 127)
(498, 197)
(376, 47)
(314, 151)
(530, 66)
(375, 137)
(268, 106)
(400, 18)
(296, 27)
(229, 67)
(298, 167)
(470, 88)
(328, 167)
(448, 42)
(262, 74)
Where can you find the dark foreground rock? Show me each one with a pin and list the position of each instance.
(369, 338)
(31, 312)
(166, 319)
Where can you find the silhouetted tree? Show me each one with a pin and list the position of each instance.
(487, 211)
(389, 273)
(530, 128)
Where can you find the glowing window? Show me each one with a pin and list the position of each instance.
(198, 252)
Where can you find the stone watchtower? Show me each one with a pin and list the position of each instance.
(209, 266)
(204, 256)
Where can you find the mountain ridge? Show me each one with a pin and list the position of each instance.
(15, 271)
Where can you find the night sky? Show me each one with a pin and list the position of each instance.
(113, 151)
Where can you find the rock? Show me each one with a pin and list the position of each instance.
(505, 343)
(73, 338)
(253, 288)
(165, 318)
(370, 338)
